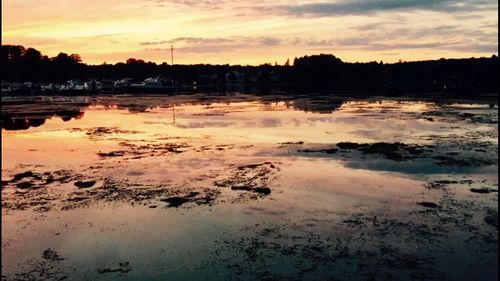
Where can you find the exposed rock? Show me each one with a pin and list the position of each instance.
(299, 142)
(50, 254)
(428, 204)
(262, 190)
(111, 154)
(175, 201)
(25, 185)
(253, 166)
(482, 190)
(27, 174)
(207, 197)
(85, 184)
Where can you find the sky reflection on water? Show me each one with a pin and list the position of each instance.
(214, 153)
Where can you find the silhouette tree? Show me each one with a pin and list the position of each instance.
(65, 59)
(12, 53)
(134, 61)
(31, 56)
(75, 58)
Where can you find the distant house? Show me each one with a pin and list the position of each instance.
(6, 88)
(122, 83)
(151, 83)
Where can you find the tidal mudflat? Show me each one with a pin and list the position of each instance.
(244, 187)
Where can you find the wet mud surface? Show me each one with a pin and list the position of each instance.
(251, 188)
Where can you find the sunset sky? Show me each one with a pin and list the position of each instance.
(253, 32)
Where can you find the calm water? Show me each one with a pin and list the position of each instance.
(242, 187)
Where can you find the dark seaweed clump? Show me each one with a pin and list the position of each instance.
(205, 198)
(84, 184)
(394, 151)
(250, 177)
(327, 151)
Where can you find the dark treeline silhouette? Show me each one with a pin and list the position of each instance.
(17, 121)
(317, 72)
(327, 72)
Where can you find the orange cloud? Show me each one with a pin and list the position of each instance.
(236, 32)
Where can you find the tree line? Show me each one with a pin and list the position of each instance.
(316, 72)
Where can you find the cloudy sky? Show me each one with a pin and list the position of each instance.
(253, 32)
